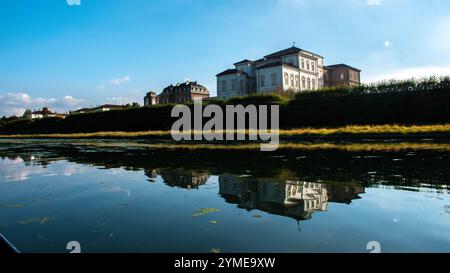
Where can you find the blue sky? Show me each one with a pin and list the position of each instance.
(115, 51)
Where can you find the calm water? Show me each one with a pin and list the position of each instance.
(125, 199)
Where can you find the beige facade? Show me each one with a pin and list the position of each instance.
(291, 69)
(179, 93)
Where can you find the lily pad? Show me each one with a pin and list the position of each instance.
(215, 250)
(39, 220)
(204, 211)
(13, 205)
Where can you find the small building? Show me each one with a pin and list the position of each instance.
(44, 113)
(150, 98)
(179, 93)
(108, 107)
(34, 115)
(81, 111)
(101, 108)
(341, 75)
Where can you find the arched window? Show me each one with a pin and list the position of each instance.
(286, 78)
(297, 84)
(292, 79)
(303, 82)
(309, 84)
(312, 66)
(314, 84)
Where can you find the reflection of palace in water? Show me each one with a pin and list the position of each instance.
(187, 179)
(295, 199)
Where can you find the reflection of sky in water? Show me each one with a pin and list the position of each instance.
(178, 210)
(18, 169)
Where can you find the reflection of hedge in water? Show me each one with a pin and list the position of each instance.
(408, 102)
(411, 168)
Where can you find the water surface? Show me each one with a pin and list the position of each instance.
(139, 199)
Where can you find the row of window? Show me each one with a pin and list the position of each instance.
(178, 99)
(326, 76)
(305, 64)
(185, 90)
(290, 80)
(307, 82)
(308, 65)
(354, 76)
(233, 84)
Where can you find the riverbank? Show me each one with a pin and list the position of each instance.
(353, 131)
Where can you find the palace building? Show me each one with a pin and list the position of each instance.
(291, 69)
(179, 93)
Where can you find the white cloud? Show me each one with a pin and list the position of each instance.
(100, 87)
(387, 44)
(374, 2)
(120, 80)
(410, 72)
(13, 171)
(17, 103)
(12, 111)
(120, 100)
(351, 2)
(70, 101)
(73, 2)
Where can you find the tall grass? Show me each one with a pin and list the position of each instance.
(368, 130)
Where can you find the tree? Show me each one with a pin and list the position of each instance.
(46, 111)
(27, 113)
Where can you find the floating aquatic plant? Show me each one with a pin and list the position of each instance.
(39, 220)
(13, 205)
(204, 211)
